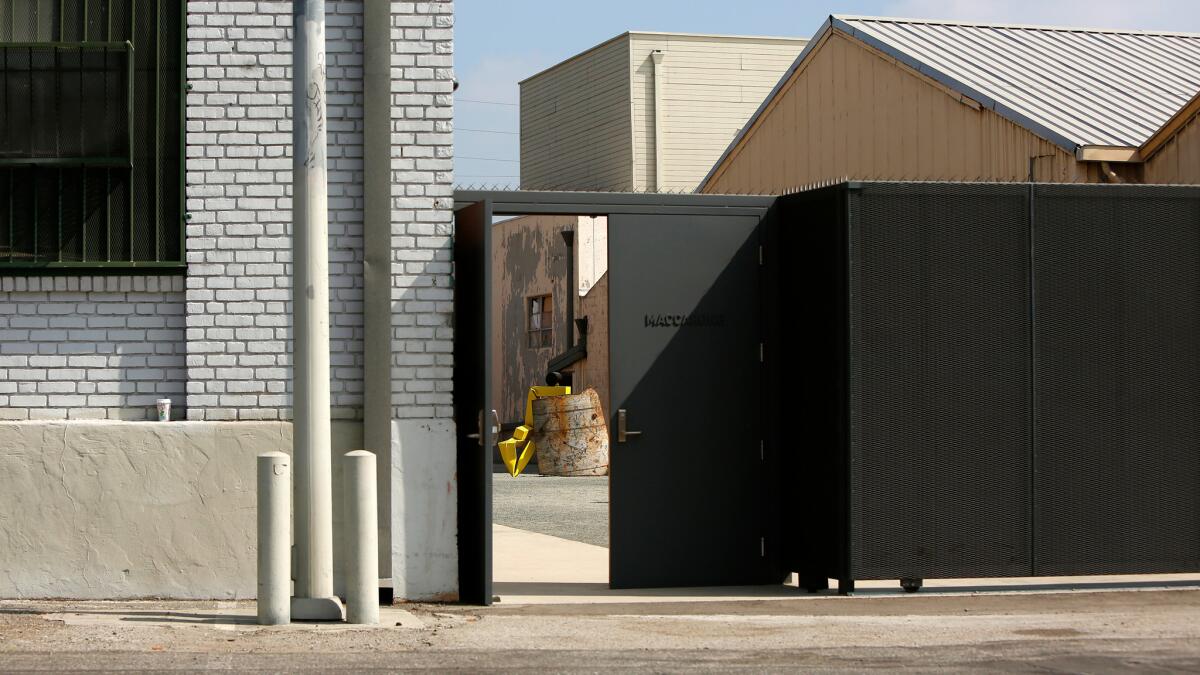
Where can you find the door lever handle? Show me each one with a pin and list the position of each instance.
(479, 426)
(623, 433)
(478, 435)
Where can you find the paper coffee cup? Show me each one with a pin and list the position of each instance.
(164, 410)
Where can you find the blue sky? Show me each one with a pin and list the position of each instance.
(500, 42)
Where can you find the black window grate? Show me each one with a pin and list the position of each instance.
(91, 157)
(66, 104)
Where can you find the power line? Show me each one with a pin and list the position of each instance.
(488, 131)
(490, 159)
(475, 100)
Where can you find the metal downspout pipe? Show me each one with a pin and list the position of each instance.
(313, 490)
(1110, 176)
(657, 57)
(377, 260)
(572, 286)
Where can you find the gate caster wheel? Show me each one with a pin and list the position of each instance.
(813, 584)
(910, 585)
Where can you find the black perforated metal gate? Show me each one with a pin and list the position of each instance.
(1117, 335)
(1018, 388)
(940, 381)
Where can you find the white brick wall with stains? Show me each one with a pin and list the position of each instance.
(218, 342)
(90, 347)
(422, 209)
(239, 173)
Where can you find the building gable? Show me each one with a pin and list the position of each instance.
(850, 111)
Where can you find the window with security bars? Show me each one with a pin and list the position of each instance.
(91, 157)
(540, 322)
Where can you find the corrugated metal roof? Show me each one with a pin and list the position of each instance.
(1091, 87)
(1073, 86)
(1173, 126)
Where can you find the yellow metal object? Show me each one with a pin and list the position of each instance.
(508, 449)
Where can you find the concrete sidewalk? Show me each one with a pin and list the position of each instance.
(537, 569)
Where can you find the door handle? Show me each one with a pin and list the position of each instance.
(478, 435)
(623, 433)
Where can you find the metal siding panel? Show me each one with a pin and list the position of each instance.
(1178, 161)
(575, 125)
(707, 72)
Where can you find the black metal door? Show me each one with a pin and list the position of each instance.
(472, 244)
(687, 484)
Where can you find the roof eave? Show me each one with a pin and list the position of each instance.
(1107, 153)
(1019, 26)
(576, 57)
(1171, 127)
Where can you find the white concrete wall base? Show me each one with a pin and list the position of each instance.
(424, 510)
(105, 509)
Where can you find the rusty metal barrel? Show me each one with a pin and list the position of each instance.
(571, 435)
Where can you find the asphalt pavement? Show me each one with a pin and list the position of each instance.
(1094, 631)
(569, 508)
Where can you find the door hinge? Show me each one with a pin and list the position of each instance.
(760, 255)
(762, 453)
(762, 351)
(762, 546)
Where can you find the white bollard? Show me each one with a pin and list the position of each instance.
(361, 537)
(274, 547)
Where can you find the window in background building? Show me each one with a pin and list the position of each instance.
(91, 143)
(540, 321)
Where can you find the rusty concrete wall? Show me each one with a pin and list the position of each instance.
(530, 259)
(593, 371)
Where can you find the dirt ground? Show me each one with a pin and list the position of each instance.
(1093, 631)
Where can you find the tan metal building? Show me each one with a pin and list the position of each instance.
(1172, 154)
(644, 111)
(899, 99)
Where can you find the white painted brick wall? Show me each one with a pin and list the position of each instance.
(104, 347)
(234, 314)
(239, 197)
(422, 209)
